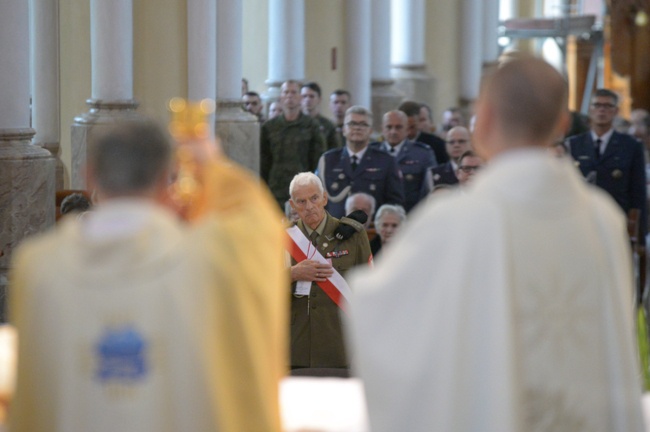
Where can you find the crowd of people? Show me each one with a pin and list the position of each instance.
(503, 305)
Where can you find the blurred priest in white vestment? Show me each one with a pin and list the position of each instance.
(521, 319)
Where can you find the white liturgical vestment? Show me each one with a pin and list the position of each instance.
(505, 308)
(129, 321)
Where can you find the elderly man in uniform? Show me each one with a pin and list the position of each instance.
(458, 142)
(508, 307)
(316, 333)
(414, 159)
(358, 167)
(289, 144)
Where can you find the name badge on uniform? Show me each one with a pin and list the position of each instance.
(373, 169)
(303, 288)
(411, 162)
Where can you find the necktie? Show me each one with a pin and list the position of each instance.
(392, 150)
(313, 236)
(354, 162)
(597, 148)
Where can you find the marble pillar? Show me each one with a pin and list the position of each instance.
(490, 32)
(408, 35)
(286, 45)
(27, 191)
(202, 51)
(238, 130)
(357, 66)
(384, 95)
(111, 52)
(471, 44)
(44, 29)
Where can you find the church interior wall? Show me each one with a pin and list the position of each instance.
(160, 54)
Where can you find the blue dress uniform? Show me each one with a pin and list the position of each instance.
(444, 174)
(620, 170)
(414, 160)
(377, 174)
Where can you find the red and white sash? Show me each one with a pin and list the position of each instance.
(336, 288)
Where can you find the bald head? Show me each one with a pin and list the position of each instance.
(523, 103)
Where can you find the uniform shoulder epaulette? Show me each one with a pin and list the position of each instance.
(421, 145)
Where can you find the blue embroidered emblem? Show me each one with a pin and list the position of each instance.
(121, 355)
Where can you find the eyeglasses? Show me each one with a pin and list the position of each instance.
(599, 105)
(353, 124)
(469, 168)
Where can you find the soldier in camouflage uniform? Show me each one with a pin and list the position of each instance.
(311, 97)
(289, 144)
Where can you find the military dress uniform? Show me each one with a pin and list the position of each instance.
(316, 332)
(444, 174)
(620, 170)
(415, 160)
(286, 149)
(377, 174)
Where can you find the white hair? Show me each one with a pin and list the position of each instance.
(305, 179)
(350, 200)
(397, 210)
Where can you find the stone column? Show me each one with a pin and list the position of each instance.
(357, 67)
(26, 171)
(202, 50)
(471, 44)
(238, 130)
(286, 45)
(384, 96)
(407, 50)
(111, 54)
(44, 29)
(490, 32)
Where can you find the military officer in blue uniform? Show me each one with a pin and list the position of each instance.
(611, 160)
(358, 167)
(413, 158)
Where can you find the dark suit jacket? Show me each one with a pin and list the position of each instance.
(444, 174)
(437, 144)
(620, 170)
(377, 175)
(414, 160)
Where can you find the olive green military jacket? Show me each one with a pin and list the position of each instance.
(328, 130)
(286, 149)
(316, 332)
